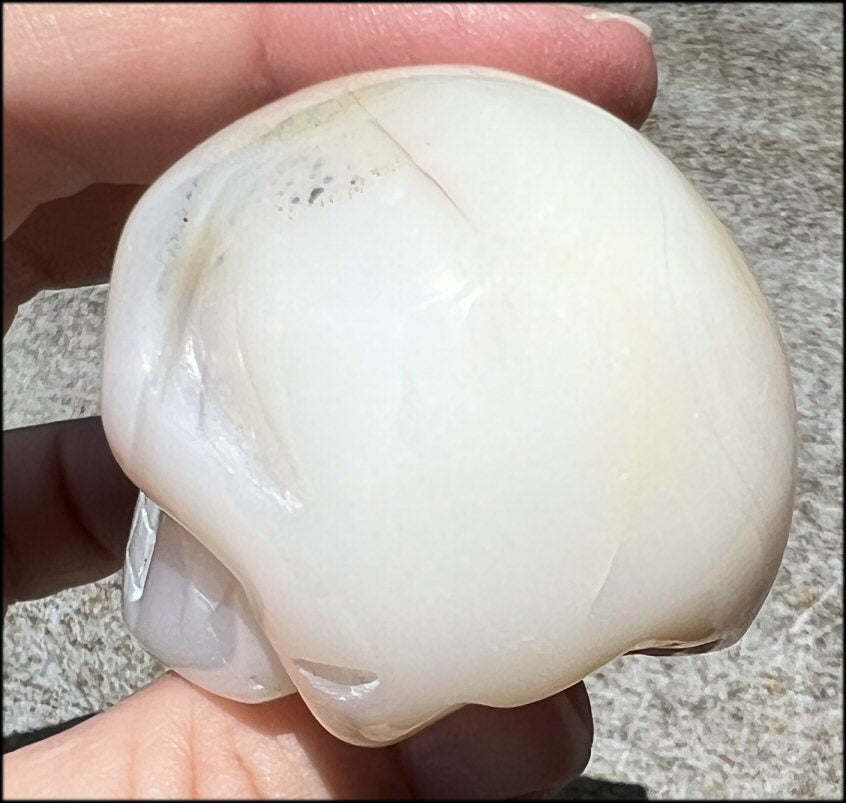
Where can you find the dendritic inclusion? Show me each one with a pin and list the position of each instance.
(442, 386)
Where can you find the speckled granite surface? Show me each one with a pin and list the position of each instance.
(750, 109)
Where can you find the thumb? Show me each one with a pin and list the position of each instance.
(172, 740)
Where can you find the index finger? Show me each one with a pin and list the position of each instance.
(114, 93)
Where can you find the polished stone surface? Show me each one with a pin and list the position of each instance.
(750, 108)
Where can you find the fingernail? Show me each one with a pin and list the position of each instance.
(604, 16)
(577, 724)
(578, 699)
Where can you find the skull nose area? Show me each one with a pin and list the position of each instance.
(188, 610)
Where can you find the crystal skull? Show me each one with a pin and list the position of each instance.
(442, 386)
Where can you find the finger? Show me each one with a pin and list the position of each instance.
(67, 508)
(172, 740)
(489, 753)
(120, 91)
(69, 242)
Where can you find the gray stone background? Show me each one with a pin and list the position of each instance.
(750, 108)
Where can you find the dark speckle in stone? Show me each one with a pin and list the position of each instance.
(315, 193)
(295, 199)
(328, 180)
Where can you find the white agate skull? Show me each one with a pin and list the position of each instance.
(457, 390)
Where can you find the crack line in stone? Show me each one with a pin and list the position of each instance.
(408, 156)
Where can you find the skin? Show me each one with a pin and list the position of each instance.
(99, 99)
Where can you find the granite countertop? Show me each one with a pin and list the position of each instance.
(750, 109)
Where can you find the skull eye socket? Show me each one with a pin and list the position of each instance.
(339, 682)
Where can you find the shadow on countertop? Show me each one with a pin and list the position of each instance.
(586, 788)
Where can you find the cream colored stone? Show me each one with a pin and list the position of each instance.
(462, 381)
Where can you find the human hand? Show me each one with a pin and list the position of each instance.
(99, 100)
